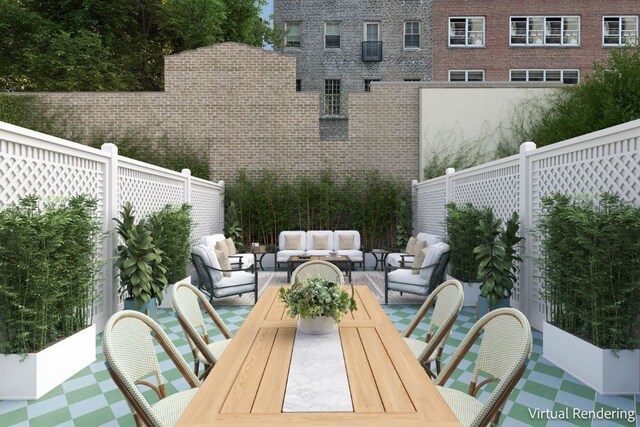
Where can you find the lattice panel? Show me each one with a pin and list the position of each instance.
(206, 211)
(429, 212)
(148, 192)
(498, 188)
(613, 167)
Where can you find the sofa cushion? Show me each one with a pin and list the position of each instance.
(283, 234)
(353, 254)
(317, 252)
(283, 256)
(223, 259)
(346, 241)
(320, 242)
(231, 246)
(291, 242)
(411, 244)
(418, 260)
(312, 234)
(239, 282)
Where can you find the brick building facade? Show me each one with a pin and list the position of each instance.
(520, 41)
(239, 104)
(342, 46)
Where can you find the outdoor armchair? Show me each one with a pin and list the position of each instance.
(130, 357)
(502, 356)
(188, 303)
(446, 301)
(317, 268)
(430, 274)
(213, 282)
(237, 260)
(402, 259)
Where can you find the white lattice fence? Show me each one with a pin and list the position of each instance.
(604, 161)
(35, 163)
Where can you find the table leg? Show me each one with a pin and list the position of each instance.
(349, 270)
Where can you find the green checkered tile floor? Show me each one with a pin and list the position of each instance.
(90, 398)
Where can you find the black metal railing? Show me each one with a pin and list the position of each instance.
(372, 51)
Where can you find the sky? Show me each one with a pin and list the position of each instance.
(267, 10)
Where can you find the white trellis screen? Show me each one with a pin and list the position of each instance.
(35, 163)
(603, 161)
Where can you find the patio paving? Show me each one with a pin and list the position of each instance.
(90, 398)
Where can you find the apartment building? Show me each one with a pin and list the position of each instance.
(523, 41)
(344, 46)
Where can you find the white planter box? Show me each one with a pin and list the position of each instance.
(599, 369)
(167, 302)
(471, 293)
(41, 372)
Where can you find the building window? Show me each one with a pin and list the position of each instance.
(412, 35)
(565, 76)
(332, 35)
(292, 34)
(545, 30)
(298, 85)
(332, 97)
(619, 30)
(367, 84)
(466, 75)
(466, 32)
(371, 31)
(412, 80)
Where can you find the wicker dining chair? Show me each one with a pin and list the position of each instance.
(130, 357)
(446, 301)
(317, 268)
(188, 302)
(504, 350)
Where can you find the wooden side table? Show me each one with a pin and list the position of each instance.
(381, 258)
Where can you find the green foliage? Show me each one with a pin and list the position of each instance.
(48, 271)
(95, 45)
(317, 297)
(608, 97)
(142, 272)
(403, 227)
(172, 236)
(232, 224)
(591, 268)
(463, 236)
(497, 256)
(367, 202)
(462, 156)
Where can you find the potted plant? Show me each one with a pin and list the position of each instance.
(498, 260)
(319, 302)
(142, 272)
(463, 236)
(48, 275)
(590, 264)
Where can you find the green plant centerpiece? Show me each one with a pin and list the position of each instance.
(140, 260)
(319, 300)
(498, 259)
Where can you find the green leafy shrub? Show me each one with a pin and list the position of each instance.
(367, 202)
(463, 236)
(173, 239)
(591, 268)
(497, 256)
(48, 271)
(317, 297)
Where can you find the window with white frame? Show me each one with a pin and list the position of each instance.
(371, 31)
(466, 31)
(545, 31)
(619, 30)
(466, 75)
(565, 76)
(412, 35)
(332, 35)
(332, 97)
(292, 34)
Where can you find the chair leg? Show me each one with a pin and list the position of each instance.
(386, 287)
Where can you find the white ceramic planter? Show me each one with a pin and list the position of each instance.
(41, 372)
(317, 326)
(598, 368)
(471, 293)
(167, 302)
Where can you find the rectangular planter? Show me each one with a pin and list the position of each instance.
(598, 368)
(41, 372)
(166, 299)
(471, 293)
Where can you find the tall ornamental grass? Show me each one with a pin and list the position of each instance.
(48, 269)
(463, 236)
(591, 268)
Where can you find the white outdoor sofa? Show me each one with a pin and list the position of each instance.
(238, 261)
(400, 259)
(319, 243)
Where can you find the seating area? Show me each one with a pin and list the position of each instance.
(320, 243)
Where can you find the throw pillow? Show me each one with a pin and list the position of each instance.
(418, 259)
(410, 246)
(223, 259)
(320, 242)
(231, 246)
(291, 242)
(346, 241)
(221, 245)
(420, 245)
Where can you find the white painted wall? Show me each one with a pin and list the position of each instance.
(453, 114)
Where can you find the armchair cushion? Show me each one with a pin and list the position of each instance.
(210, 260)
(418, 260)
(411, 244)
(223, 259)
(432, 255)
(210, 241)
(431, 239)
(420, 245)
(239, 282)
(231, 246)
(221, 245)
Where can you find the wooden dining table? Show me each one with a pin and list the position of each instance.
(387, 384)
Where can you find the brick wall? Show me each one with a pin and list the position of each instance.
(498, 57)
(241, 102)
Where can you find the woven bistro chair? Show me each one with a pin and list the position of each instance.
(502, 357)
(317, 268)
(188, 302)
(130, 357)
(446, 301)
